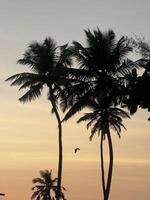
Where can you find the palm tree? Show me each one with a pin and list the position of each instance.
(106, 60)
(144, 80)
(48, 64)
(137, 95)
(101, 119)
(44, 186)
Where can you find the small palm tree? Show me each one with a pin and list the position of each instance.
(48, 64)
(45, 186)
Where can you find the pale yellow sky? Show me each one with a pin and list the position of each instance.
(29, 143)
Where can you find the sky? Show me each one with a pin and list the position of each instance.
(28, 132)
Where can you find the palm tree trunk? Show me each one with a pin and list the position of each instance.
(60, 160)
(110, 170)
(49, 196)
(102, 165)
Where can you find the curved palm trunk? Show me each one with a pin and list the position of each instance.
(102, 165)
(60, 160)
(110, 170)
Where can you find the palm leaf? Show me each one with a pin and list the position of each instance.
(38, 180)
(21, 78)
(33, 93)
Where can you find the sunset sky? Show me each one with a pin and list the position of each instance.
(28, 132)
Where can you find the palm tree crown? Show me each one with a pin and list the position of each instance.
(106, 61)
(44, 186)
(101, 118)
(47, 63)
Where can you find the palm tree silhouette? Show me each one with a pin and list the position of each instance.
(48, 64)
(45, 186)
(144, 81)
(101, 119)
(106, 63)
(137, 95)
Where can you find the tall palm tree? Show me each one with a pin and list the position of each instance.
(45, 186)
(106, 59)
(48, 64)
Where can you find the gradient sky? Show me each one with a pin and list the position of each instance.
(28, 137)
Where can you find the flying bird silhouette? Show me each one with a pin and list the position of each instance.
(76, 149)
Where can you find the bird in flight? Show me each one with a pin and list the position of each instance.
(76, 149)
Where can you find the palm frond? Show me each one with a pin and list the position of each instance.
(78, 106)
(21, 78)
(123, 47)
(38, 180)
(91, 122)
(74, 109)
(36, 194)
(87, 116)
(33, 93)
(118, 111)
